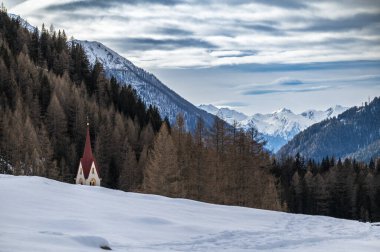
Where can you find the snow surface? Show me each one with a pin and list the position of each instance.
(38, 214)
(278, 127)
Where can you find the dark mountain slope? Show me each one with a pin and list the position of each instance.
(340, 136)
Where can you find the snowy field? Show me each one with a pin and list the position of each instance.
(38, 214)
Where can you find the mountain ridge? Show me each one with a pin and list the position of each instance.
(279, 127)
(351, 134)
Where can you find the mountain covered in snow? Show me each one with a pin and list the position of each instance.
(23, 22)
(355, 134)
(39, 214)
(150, 89)
(229, 115)
(279, 127)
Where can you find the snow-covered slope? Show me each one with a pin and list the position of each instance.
(23, 22)
(148, 87)
(278, 127)
(39, 214)
(229, 115)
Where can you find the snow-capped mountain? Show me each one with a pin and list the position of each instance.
(353, 134)
(278, 127)
(229, 115)
(318, 116)
(23, 22)
(148, 87)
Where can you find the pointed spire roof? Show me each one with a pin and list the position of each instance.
(87, 158)
(87, 153)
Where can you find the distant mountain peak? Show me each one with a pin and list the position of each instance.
(283, 110)
(24, 23)
(209, 108)
(227, 114)
(278, 127)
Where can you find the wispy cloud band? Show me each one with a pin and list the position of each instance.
(262, 32)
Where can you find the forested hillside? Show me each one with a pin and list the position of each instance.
(47, 91)
(343, 136)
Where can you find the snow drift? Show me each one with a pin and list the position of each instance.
(39, 214)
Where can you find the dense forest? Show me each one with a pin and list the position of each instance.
(343, 189)
(48, 91)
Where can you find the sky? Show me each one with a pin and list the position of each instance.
(252, 56)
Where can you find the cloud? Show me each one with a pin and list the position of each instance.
(299, 67)
(257, 35)
(233, 104)
(274, 91)
(288, 82)
(357, 21)
(140, 44)
(311, 85)
(96, 4)
(264, 28)
(232, 54)
(12, 3)
(173, 31)
(288, 4)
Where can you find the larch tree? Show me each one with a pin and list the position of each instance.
(161, 175)
(56, 126)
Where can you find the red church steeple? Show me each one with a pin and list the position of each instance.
(87, 158)
(87, 148)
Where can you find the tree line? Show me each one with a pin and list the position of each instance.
(226, 165)
(340, 188)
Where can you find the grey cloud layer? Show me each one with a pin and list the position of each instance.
(156, 44)
(357, 21)
(288, 85)
(100, 4)
(260, 31)
(268, 47)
